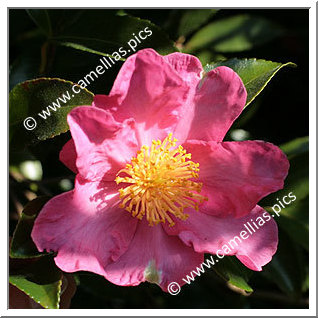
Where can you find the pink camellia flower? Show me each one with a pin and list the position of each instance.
(156, 187)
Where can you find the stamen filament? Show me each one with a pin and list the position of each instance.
(160, 183)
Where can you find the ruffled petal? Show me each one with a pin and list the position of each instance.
(236, 175)
(219, 100)
(150, 90)
(187, 66)
(155, 257)
(109, 103)
(85, 227)
(166, 94)
(253, 238)
(103, 146)
(68, 155)
(190, 69)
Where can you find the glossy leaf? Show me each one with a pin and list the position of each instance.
(234, 34)
(254, 73)
(41, 280)
(22, 245)
(230, 269)
(30, 98)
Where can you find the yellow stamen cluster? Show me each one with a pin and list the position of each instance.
(160, 183)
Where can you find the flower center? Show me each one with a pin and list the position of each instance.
(160, 183)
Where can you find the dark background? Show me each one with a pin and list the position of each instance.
(279, 114)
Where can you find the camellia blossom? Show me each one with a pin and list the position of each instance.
(156, 187)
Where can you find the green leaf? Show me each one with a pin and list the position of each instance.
(112, 32)
(22, 245)
(296, 146)
(230, 269)
(192, 19)
(42, 19)
(41, 280)
(234, 34)
(30, 98)
(254, 73)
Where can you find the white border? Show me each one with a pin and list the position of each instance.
(312, 157)
(312, 182)
(164, 4)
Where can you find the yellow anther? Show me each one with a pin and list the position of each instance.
(160, 184)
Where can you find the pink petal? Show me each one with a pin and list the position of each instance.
(218, 102)
(166, 94)
(151, 91)
(236, 175)
(209, 234)
(85, 227)
(103, 146)
(109, 103)
(190, 69)
(187, 66)
(68, 155)
(153, 251)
